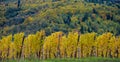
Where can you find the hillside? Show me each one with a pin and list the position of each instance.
(59, 30)
(63, 15)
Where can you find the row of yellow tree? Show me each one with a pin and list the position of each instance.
(59, 45)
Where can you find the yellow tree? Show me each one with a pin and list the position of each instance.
(33, 44)
(39, 39)
(102, 44)
(113, 46)
(52, 45)
(18, 43)
(118, 46)
(86, 44)
(64, 46)
(12, 53)
(28, 47)
(5, 45)
(46, 47)
(72, 40)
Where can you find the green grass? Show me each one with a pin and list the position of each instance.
(91, 59)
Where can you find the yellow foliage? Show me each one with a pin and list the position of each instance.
(56, 45)
(28, 20)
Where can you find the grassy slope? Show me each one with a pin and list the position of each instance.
(91, 59)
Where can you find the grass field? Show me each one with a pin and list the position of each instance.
(91, 59)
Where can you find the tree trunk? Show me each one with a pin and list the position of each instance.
(22, 48)
(78, 48)
(58, 46)
(19, 2)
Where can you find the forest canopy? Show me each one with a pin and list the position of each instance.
(62, 15)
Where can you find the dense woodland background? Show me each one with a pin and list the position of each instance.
(59, 15)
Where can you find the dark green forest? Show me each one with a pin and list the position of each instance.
(85, 16)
